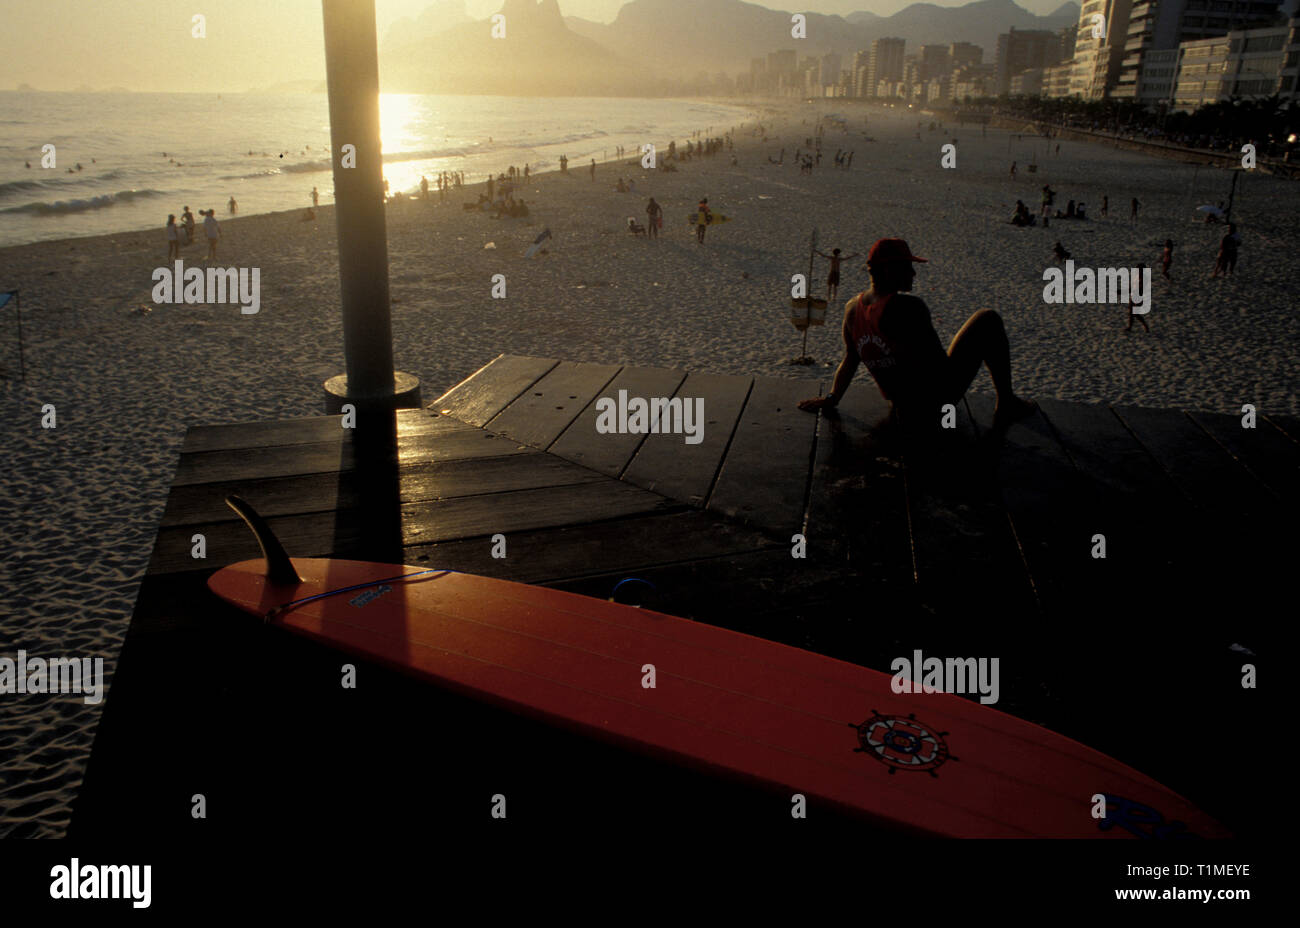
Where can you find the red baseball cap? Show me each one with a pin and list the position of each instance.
(891, 249)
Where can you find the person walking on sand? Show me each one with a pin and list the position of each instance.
(1167, 258)
(833, 278)
(212, 232)
(654, 216)
(1013, 170)
(315, 198)
(173, 238)
(187, 219)
(424, 187)
(232, 206)
(891, 332)
(593, 168)
(1141, 317)
(1226, 260)
(702, 216)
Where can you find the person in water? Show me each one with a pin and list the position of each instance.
(833, 278)
(891, 333)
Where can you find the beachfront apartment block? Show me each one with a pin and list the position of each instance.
(884, 63)
(1022, 49)
(1099, 47)
(1160, 26)
(1244, 64)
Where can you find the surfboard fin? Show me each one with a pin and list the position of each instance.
(279, 569)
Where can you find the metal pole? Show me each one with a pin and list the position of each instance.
(352, 76)
(1232, 193)
(18, 311)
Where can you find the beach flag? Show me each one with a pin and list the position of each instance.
(5, 297)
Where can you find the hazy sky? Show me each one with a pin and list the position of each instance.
(146, 44)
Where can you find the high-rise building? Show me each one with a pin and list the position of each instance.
(1161, 25)
(858, 74)
(964, 55)
(1020, 49)
(884, 64)
(830, 68)
(1099, 49)
(933, 62)
(783, 62)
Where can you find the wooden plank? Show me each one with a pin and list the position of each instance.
(764, 477)
(1272, 457)
(668, 465)
(963, 548)
(610, 454)
(492, 388)
(453, 441)
(1051, 514)
(468, 517)
(617, 546)
(320, 534)
(303, 431)
(1103, 448)
(857, 507)
(345, 533)
(1198, 465)
(549, 406)
(1145, 519)
(1287, 425)
(323, 492)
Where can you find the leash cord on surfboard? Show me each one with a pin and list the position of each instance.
(348, 589)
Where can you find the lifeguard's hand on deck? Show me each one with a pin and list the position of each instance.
(816, 403)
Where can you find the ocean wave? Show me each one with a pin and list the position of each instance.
(17, 186)
(269, 172)
(60, 207)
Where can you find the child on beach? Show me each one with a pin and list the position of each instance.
(187, 218)
(701, 219)
(833, 278)
(232, 206)
(1167, 258)
(892, 334)
(1059, 253)
(173, 238)
(212, 232)
(315, 198)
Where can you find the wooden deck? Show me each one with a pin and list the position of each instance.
(971, 544)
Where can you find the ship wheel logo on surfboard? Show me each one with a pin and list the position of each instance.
(902, 743)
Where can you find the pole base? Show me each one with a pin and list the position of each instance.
(405, 395)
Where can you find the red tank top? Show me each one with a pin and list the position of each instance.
(882, 356)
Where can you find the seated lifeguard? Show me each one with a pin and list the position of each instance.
(891, 333)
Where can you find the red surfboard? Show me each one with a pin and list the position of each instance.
(926, 762)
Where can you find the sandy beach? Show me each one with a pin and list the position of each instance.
(126, 384)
